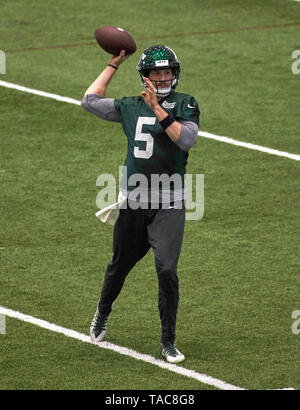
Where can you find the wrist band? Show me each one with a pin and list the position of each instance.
(166, 122)
(113, 66)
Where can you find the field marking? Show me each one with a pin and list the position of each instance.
(162, 36)
(204, 134)
(38, 92)
(203, 378)
(248, 145)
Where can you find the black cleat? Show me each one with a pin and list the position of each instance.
(98, 328)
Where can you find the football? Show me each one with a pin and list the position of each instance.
(114, 39)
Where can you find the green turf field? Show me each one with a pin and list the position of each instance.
(239, 267)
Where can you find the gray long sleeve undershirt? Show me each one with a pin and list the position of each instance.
(105, 109)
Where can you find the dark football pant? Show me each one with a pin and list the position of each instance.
(135, 231)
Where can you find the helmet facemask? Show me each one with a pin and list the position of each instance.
(161, 90)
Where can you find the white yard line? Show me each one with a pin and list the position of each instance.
(226, 140)
(203, 378)
(38, 92)
(248, 145)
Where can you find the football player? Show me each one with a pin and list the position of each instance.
(161, 125)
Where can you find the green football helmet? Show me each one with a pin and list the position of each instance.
(158, 58)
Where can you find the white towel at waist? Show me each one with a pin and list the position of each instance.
(111, 213)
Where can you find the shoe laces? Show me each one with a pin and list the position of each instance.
(168, 348)
(98, 322)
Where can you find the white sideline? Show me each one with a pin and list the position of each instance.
(249, 145)
(38, 92)
(203, 378)
(204, 134)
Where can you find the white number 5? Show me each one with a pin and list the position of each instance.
(143, 136)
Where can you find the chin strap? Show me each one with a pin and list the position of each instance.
(163, 92)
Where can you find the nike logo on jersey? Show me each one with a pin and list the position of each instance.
(192, 106)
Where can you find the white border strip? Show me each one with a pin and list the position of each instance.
(204, 134)
(203, 378)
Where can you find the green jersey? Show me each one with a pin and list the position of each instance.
(150, 150)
